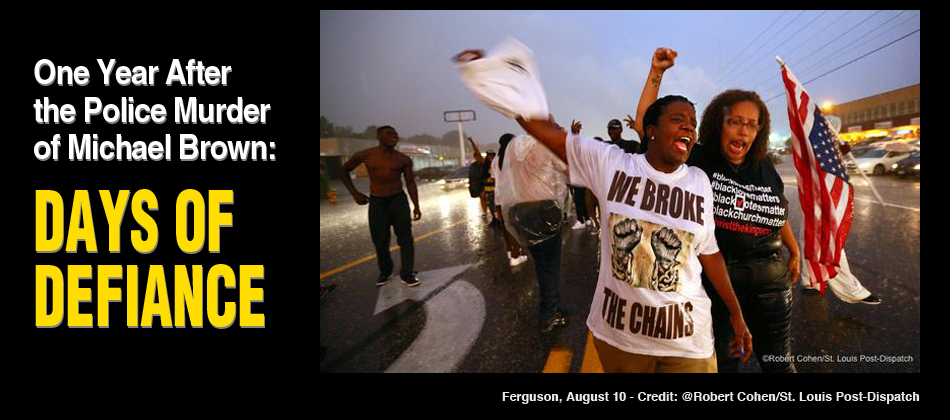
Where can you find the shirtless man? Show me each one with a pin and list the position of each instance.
(387, 202)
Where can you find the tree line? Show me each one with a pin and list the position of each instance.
(328, 130)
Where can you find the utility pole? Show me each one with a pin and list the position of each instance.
(459, 116)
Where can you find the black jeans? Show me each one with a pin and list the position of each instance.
(383, 213)
(490, 201)
(547, 267)
(580, 204)
(767, 309)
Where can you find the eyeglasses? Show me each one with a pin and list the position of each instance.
(736, 123)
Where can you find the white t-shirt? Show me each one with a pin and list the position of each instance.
(507, 80)
(650, 298)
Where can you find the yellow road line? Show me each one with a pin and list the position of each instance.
(559, 361)
(591, 363)
(393, 248)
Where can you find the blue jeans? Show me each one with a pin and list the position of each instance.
(547, 267)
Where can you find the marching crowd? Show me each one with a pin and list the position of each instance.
(688, 281)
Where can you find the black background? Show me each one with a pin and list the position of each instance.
(271, 212)
(274, 222)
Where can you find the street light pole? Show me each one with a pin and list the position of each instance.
(457, 116)
(461, 146)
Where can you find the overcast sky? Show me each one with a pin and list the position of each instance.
(394, 68)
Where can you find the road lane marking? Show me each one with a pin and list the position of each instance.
(559, 361)
(393, 294)
(591, 363)
(888, 204)
(391, 249)
(454, 319)
(348, 266)
(870, 200)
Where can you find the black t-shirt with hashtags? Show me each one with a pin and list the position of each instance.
(750, 207)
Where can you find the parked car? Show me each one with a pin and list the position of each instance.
(433, 173)
(775, 157)
(861, 150)
(877, 161)
(455, 180)
(873, 140)
(909, 166)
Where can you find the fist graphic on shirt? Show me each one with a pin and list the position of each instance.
(627, 236)
(666, 247)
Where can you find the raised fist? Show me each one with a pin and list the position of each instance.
(663, 59)
(468, 55)
(666, 247)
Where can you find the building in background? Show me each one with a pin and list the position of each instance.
(337, 150)
(892, 114)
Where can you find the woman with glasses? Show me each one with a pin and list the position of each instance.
(751, 214)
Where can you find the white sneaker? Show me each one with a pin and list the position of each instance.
(589, 223)
(578, 225)
(518, 261)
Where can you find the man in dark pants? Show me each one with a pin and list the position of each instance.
(489, 183)
(547, 268)
(579, 193)
(538, 222)
(387, 202)
(580, 207)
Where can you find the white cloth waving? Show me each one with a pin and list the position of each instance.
(507, 80)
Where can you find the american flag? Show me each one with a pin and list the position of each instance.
(824, 190)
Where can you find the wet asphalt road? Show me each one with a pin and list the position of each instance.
(485, 318)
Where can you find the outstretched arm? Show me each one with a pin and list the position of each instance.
(662, 60)
(546, 131)
(549, 134)
(715, 269)
(477, 154)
